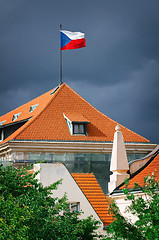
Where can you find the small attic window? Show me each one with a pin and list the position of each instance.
(15, 116)
(74, 207)
(76, 127)
(32, 108)
(1, 123)
(79, 128)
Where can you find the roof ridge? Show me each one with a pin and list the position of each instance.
(25, 126)
(58, 90)
(104, 114)
(101, 127)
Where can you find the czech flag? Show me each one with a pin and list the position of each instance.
(71, 40)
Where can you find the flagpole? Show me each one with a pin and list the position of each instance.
(60, 61)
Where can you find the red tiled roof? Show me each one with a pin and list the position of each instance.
(151, 167)
(93, 192)
(24, 110)
(76, 117)
(48, 123)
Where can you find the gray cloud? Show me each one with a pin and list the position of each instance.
(133, 103)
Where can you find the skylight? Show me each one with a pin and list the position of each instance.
(32, 108)
(1, 123)
(15, 116)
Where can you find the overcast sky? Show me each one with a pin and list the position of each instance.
(117, 72)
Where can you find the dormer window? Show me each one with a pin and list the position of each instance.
(32, 108)
(1, 123)
(77, 124)
(15, 116)
(79, 128)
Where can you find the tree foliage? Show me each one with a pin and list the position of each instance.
(29, 211)
(145, 206)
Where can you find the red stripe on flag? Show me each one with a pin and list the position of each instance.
(73, 44)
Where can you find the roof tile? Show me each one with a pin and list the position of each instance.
(87, 182)
(152, 167)
(48, 123)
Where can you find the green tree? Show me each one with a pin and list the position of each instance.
(29, 211)
(145, 207)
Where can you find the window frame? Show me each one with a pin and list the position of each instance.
(76, 205)
(1, 123)
(1, 135)
(71, 125)
(33, 107)
(15, 116)
(79, 132)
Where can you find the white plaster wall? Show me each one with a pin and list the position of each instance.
(50, 173)
(124, 204)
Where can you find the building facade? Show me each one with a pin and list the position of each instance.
(60, 126)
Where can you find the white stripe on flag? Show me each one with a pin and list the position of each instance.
(73, 35)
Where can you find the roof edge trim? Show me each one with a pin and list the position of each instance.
(15, 122)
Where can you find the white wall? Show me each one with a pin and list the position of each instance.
(50, 173)
(124, 204)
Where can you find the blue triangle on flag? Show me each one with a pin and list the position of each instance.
(64, 39)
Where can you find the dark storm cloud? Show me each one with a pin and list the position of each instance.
(118, 71)
(133, 103)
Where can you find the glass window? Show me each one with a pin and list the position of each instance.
(32, 108)
(15, 116)
(79, 129)
(74, 207)
(1, 123)
(76, 129)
